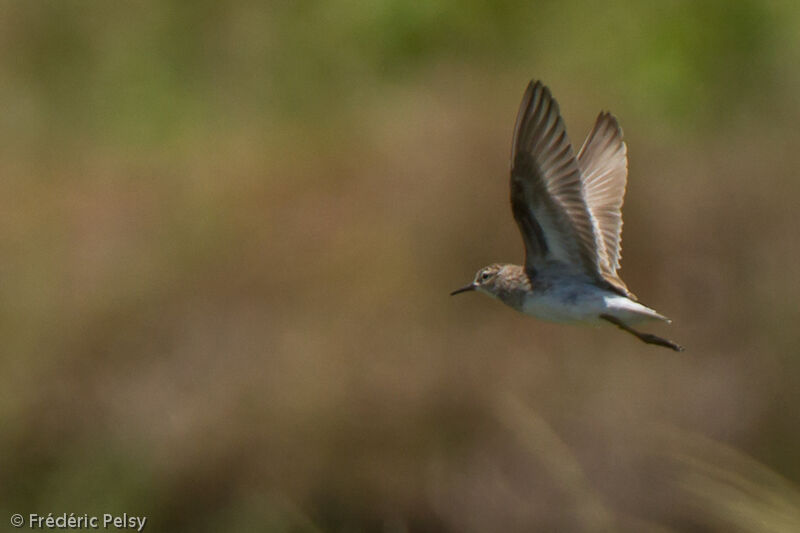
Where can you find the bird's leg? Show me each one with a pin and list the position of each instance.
(649, 338)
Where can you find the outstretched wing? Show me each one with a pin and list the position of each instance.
(546, 191)
(603, 163)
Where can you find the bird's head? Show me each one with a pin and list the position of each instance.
(487, 280)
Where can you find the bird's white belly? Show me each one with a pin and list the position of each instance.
(585, 305)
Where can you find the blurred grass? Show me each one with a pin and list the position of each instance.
(228, 234)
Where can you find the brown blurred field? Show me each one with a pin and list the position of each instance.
(228, 233)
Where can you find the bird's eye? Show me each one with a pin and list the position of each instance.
(485, 276)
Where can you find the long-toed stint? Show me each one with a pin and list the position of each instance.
(568, 210)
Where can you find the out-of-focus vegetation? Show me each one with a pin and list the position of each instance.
(228, 231)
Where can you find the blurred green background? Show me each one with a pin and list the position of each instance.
(228, 232)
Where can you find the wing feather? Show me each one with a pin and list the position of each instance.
(603, 163)
(546, 188)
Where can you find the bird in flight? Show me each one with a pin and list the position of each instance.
(568, 209)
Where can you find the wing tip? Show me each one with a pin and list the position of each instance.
(608, 119)
(536, 95)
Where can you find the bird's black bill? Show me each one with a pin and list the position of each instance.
(463, 289)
